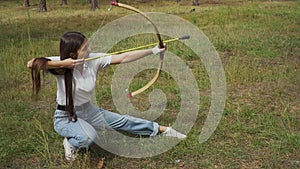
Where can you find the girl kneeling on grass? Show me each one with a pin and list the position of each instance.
(75, 88)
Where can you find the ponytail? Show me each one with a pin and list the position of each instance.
(69, 95)
(41, 64)
(37, 65)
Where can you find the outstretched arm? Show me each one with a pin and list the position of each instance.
(135, 55)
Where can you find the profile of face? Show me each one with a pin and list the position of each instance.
(84, 50)
(73, 45)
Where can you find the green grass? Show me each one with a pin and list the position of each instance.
(258, 43)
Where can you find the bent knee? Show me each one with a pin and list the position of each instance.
(81, 141)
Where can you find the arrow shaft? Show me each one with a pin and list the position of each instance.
(135, 48)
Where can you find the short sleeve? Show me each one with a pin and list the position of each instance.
(54, 58)
(102, 62)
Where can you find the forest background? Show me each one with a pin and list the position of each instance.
(258, 42)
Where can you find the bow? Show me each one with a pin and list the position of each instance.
(160, 44)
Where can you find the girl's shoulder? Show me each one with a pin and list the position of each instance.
(96, 54)
(103, 60)
(54, 58)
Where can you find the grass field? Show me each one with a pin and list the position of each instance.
(257, 41)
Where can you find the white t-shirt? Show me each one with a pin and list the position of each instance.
(83, 83)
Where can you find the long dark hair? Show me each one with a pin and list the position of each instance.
(70, 42)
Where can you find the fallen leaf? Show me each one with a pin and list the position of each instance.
(100, 163)
(180, 162)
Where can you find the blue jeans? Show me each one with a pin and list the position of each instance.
(92, 119)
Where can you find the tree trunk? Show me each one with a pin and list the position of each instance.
(94, 4)
(64, 2)
(42, 6)
(196, 2)
(26, 3)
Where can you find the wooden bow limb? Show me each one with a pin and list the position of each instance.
(161, 45)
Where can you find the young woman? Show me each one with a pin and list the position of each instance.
(76, 82)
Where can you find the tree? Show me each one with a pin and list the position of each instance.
(42, 6)
(64, 2)
(94, 4)
(196, 2)
(26, 3)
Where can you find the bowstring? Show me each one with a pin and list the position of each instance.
(94, 99)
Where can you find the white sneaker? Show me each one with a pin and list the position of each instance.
(69, 150)
(170, 132)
